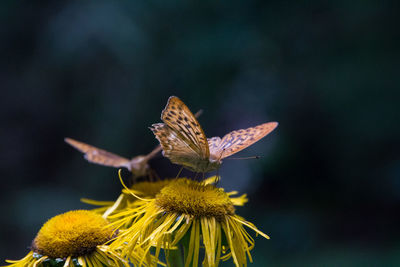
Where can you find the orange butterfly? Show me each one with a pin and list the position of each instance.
(137, 165)
(183, 140)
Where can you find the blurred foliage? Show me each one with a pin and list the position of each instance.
(327, 188)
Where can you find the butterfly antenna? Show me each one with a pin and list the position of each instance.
(253, 157)
(198, 113)
(179, 173)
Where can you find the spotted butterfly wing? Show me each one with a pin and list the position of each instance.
(184, 142)
(174, 147)
(99, 156)
(213, 144)
(238, 140)
(183, 123)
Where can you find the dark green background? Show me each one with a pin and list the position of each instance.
(327, 188)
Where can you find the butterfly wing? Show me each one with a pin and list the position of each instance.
(183, 123)
(153, 153)
(236, 141)
(99, 156)
(213, 145)
(156, 150)
(174, 148)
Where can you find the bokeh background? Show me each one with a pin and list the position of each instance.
(327, 188)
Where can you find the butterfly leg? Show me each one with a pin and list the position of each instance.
(151, 175)
(217, 175)
(217, 180)
(132, 180)
(179, 173)
(195, 176)
(155, 175)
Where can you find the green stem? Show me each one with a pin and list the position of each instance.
(175, 257)
(178, 256)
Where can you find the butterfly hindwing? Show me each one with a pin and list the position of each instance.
(99, 156)
(236, 141)
(182, 121)
(213, 144)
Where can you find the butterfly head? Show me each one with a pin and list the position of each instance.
(215, 159)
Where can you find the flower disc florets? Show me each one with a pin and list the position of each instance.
(74, 233)
(184, 196)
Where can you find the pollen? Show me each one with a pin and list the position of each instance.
(184, 196)
(74, 233)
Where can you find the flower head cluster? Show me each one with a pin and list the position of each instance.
(189, 214)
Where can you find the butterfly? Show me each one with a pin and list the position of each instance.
(137, 165)
(183, 140)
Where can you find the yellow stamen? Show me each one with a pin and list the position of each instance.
(197, 199)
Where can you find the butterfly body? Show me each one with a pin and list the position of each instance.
(206, 165)
(138, 166)
(183, 140)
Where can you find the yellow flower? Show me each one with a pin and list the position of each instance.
(129, 197)
(126, 199)
(188, 214)
(76, 238)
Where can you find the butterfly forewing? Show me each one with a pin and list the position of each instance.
(174, 147)
(99, 156)
(154, 152)
(182, 121)
(236, 141)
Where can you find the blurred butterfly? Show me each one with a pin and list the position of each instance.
(137, 165)
(183, 140)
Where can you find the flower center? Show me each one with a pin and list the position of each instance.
(74, 233)
(185, 196)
